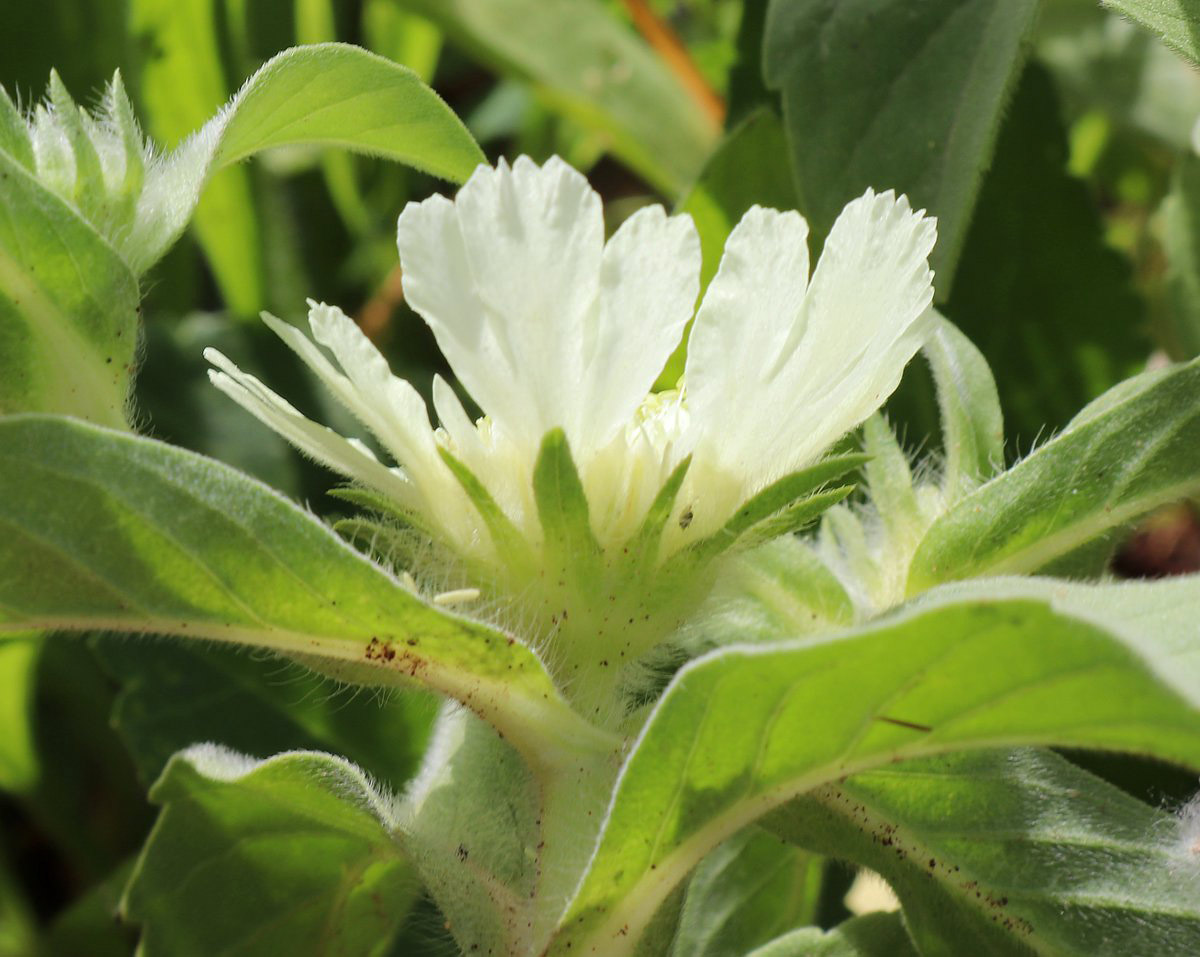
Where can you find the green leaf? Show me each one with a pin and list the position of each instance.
(173, 695)
(972, 424)
(1011, 853)
(1117, 464)
(743, 729)
(327, 94)
(1181, 238)
(18, 675)
(747, 891)
(895, 95)
(68, 307)
(293, 855)
(474, 831)
(1049, 304)
(872, 935)
(594, 69)
(90, 925)
(116, 532)
(1176, 22)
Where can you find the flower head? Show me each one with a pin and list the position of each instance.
(559, 337)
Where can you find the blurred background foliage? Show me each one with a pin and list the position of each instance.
(1072, 263)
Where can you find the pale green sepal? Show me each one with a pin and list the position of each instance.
(779, 499)
(562, 506)
(506, 537)
(783, 492)
(293, 855)
(779, 591)
(387, 542)
(889, 480)
(382, 506)
(14, 134)
(972, 423)
(793, 518)
(643, 546)
(1124, 456)
(120, 112)
(89, 191)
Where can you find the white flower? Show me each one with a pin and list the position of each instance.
(547, 327)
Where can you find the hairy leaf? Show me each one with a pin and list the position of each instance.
(895, 95)
(68, 307)
(872, 935)
(112, 531)
(1132, 451)
(292, 855)
(1012, 852)
(743, 729)
(749, 890)
(1177, 22)
(1048, 302)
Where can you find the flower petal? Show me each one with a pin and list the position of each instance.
(749, 311)
(819, 367)
(320, 443)
(507, 278)
(648, 285)
(389, 406)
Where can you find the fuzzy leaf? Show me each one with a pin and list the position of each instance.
(327, 94)
(1176, 22)
(1130, 453)
(747, 891)
(895, 95)
(68, 307)
(116, 532)
(292, 855)
(743, 729)
(1006, 853)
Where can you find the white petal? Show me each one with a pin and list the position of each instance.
(507, 278)
(749, 311)
(824, 364)
(865, 316)
(389, 406)
(322, 444)
(648, 285)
